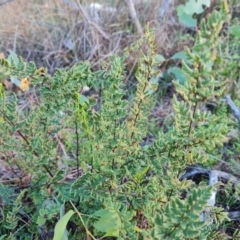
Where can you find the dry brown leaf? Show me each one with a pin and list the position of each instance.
(2, 55)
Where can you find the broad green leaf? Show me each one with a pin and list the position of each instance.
(196, 6)
(186, 19)
(180, 55)
(235, 30)
(83, 100)
(112, 233)
(62, 212)
(154, 80)
(109, 221)
(61, 225)
(178, 73)
(15, 80)
(185, 13)
(159, 58)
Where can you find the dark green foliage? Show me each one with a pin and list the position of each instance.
(121, 181)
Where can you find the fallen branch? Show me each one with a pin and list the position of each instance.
(193, 170)
(214, 176)
(235, 109)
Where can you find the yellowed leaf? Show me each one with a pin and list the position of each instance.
(2, 55)
(24, 84)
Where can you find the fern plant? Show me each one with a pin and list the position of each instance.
(196, 132)
(124, 188)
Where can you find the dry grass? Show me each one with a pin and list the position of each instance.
(60, 33)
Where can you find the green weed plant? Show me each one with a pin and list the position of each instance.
(124, 189)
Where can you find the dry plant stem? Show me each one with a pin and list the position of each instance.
(13, 170)
(79, 7)
(61, 145)
(15, 39)
(134, 17)
(93, 23)
(80, 216)
(109, 54)
(191, 122)
(165, 7)
(77, 150)
(235, 109)
(131, 71)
